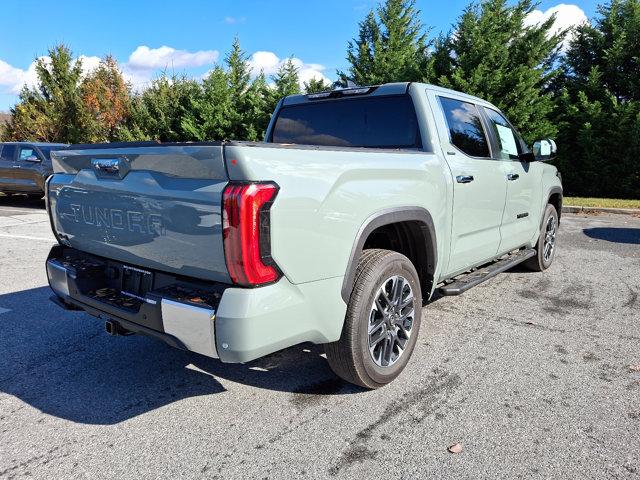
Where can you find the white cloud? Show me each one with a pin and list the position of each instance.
(144, 63)
(138, 79)
(567, 16)
(13, 79)
(145, 58)
(10, 77)
(269, 63)
(89, 63)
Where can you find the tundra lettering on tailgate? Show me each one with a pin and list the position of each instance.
(116, 218)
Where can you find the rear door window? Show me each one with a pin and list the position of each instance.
(8, 153)
(465, 127)
(373, 122)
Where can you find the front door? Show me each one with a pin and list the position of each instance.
(7, 155)
(520, 219)
(28, 170)
(479, 186)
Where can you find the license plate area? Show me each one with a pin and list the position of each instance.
(136, 282)
(129, 292)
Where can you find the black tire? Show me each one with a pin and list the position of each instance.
(350, 357)
(539, 263)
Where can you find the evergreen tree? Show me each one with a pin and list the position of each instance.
(53, 110)
(612, 47)
(599, 105)
(493, 55)
(260, 106)
(391, 47)
(316, 85)
(286, 81)
(208, 117)
(239, 78)
(158, 112)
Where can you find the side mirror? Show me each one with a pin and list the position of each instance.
(544, 149)
(32, 158)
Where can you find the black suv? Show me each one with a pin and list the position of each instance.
(24, 167)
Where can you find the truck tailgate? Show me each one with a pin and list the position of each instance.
(155, 206)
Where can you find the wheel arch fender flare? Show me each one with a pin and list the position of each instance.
(552, 191)
(388, 217)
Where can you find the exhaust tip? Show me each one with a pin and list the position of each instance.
(111, 327)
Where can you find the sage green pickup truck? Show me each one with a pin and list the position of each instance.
(336, 230)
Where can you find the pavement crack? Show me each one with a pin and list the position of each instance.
(528, 324)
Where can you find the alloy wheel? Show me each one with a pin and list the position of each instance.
(549, 238)
(391, 320)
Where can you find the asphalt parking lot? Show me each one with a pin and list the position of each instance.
(536, 375)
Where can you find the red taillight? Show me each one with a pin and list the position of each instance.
(246, 233)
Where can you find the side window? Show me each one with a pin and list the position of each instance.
(8, 152)
(508, 139)
(465, 127)
(26, 153)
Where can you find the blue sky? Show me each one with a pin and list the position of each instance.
(197, 33)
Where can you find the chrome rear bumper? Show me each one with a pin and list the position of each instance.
(193, 326)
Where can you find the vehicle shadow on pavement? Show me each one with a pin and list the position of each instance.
(21, 201)
(65, 365)
(617, 235)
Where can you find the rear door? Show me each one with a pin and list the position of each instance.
(7, 154)
(523, 179)
(479, 186)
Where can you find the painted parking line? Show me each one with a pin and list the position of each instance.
(4, 310)
(20, 209)
(27, 237)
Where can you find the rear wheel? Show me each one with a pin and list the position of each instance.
(546, 247)
(382, 321)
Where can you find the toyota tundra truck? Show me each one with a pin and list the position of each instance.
(336, 230)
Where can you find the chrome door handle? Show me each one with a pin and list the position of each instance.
(15, 166)
(464, 178)
(513, 176)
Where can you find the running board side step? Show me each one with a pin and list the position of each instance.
(470, 280)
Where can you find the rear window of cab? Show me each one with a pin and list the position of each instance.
(369, 122)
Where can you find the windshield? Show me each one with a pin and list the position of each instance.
(373, 122)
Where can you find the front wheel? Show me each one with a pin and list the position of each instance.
(382, 321)
(546, 246)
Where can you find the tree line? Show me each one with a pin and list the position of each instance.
(67, 106)
(581, 87)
